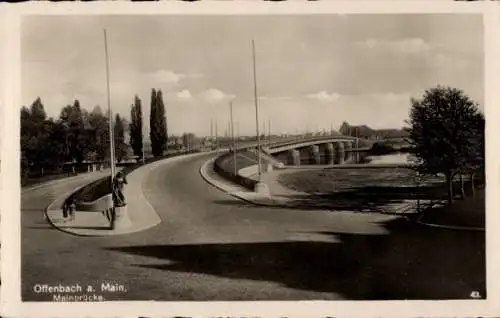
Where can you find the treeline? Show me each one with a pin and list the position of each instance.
(78, 136)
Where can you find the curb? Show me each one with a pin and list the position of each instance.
(66, 195)
(211, 181)
(448, 227)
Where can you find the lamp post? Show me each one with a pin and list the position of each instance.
(110, 113)
(216, 137)
(211, 131)
(237, 134)
(269, 133)
(256, 113)
(232, 137)
(260, 186)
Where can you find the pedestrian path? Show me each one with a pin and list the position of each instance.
(138, 215)
(207, 172)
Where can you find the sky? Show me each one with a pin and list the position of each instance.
(313, 71)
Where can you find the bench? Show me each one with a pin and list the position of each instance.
(100, 205)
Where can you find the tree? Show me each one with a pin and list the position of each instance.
(42, 139)
(381, 148)
(153, 122)
(73, 118)
(136, 127)
(477, 158)
(54, 150)
(100, 134)
(158, 126)
(119, 139)
(445, 131)
(34, 133)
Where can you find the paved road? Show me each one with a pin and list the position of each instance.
(211, 246)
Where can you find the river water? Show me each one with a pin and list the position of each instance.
(387, 159)
(362, 157)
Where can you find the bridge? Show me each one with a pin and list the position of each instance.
(334, 149)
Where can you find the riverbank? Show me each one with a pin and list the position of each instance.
(379, 189)
(341, 180)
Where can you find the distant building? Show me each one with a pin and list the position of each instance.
(188, 140)
(363, 131)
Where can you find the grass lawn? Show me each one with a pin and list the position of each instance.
(379, 186)
(243, 159)
(469, 212)
(341, 180)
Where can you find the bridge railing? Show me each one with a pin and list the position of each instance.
(293, 140)
(278, 147)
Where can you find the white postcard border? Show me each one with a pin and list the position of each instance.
(11, 288)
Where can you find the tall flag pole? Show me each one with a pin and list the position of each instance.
(264, 134)
(237, 134)
(211, 129)
(256, 112)
(216, 136)
(269, 133)
(110, 113)
(232, 137)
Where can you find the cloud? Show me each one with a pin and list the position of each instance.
(406, 45)
(214, 95)
(390, 96)
(323, 96)
(195, 75)
(170, 77)
(449, 61)
(275, 97)
(184, 95)
(166, 77)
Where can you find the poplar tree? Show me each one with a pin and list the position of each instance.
(119, 139)
(158, 127)
(136, 138)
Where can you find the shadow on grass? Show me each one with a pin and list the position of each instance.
(411, 262)
(387, 200)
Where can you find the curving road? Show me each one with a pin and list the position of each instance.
(211, 246)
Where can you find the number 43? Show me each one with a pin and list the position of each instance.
(475, 295)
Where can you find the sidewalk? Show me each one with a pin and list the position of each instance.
(207, 172)
(50, 183)
(138, 216)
